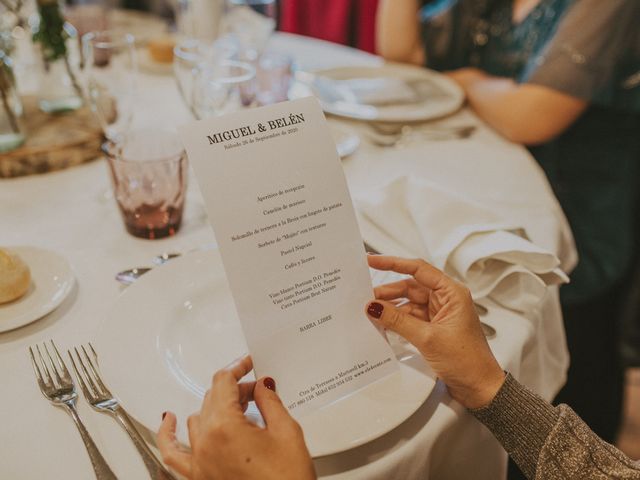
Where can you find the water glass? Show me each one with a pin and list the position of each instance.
(266, 8)
(11, 126)
(59, 88)
(149, 177)
(223, 87)
(198, 19)
(188, 57)
(250, 21)
(210, 81)
(110, 71)
(274, 73)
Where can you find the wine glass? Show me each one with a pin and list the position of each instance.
(252, 22)
(210, 81)
(199, 19)
(110, 73)
(274, 74)
(223, 87)
(263, 7)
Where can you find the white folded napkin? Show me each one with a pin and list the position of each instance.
(493, 258)
(366, 91)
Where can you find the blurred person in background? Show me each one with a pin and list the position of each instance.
(563, 78)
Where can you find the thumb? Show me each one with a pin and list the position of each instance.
(273, 412)
(387, 314)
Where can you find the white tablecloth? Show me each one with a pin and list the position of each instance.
(72, 213)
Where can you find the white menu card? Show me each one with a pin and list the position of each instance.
(278, 201)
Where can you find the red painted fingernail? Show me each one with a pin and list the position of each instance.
(269, 383)
(375, 309)
(164, 414)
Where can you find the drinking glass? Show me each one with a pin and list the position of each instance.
(59, 89)
(224, 87)
(198, 19)
(210, 81)
(110, 71)
(11, 126)
(149, 177)
(274, 72)
(188, 56)
(266, 8)
(250, 21)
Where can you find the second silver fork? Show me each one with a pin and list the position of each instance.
(101, 399)
(57, 386)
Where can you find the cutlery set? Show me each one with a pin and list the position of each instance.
(127, 277)
(390, 135)
(57, 385)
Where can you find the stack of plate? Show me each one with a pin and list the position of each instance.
(172, 329)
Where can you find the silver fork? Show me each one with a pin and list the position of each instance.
(57, 386)
(101, 399)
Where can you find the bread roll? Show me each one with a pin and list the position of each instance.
(161, 49)
(15, 276)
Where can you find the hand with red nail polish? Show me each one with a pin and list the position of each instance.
(226, 445)
(440, 320)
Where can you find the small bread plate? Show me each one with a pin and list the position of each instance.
(51, 281)
(172, 329)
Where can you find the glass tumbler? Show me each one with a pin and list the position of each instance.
(210, 82)
(149, 177)
(110, 72)
(267, 8)
(274, 74)
(223, 87)
(11, 126)
(251, 22)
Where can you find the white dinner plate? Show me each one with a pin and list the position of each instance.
(51, 281)
(436, 94)
(168, 332)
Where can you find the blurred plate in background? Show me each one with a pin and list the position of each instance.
(389, 93)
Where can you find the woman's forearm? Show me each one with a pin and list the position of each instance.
(398, 31)
(521, 422)
(549, 442)
(524, 113)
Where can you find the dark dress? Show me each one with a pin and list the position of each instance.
(589, 49)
